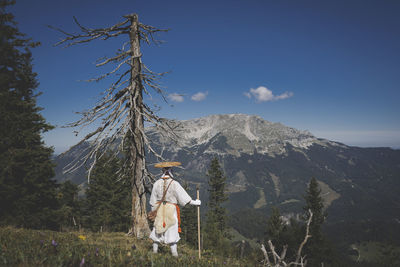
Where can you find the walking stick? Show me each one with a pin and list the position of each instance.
(198, 221)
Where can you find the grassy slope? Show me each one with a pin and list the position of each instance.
(21, 247)
(376, 252)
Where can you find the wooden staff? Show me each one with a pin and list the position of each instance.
(198, 221)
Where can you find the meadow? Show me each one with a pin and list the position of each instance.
(23, 247)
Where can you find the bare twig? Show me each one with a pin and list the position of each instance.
(307, 236)
(113, 108)
(279, 260)
(267, 261)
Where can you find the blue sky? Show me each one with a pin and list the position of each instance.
(330, 67)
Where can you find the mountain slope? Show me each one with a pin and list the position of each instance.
(270, 164)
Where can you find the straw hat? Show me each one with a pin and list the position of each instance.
(167, 164)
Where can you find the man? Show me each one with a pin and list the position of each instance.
(167, 223)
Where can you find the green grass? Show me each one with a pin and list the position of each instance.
(22, 247)
(235, 236)
(376, 252)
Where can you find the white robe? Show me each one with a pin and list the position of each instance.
(176, 195)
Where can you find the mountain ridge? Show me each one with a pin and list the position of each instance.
(245, 134)
(269, 164)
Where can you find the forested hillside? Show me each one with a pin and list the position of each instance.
(270, 165)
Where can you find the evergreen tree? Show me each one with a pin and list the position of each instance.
(292, 236)
(281, 233)
(108, 200)
(275, 228)
(215, 228)
(68, 194)
(316, 246)
(189, 221)
(27, 192)
(70, 206)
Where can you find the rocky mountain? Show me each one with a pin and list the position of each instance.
(270, 164)
(243, 133)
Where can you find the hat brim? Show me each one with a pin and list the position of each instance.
(167, 164)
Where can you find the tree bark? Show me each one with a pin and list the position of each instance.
(122, 111)
(140, 226)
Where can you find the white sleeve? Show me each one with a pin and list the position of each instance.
(153, 196)
(182, 196)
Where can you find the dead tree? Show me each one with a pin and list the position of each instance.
(121, 111)
(279, 260)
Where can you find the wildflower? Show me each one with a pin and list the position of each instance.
(97, 252)
(133, 247)
(82, 262)
(82, 237)
(54, 243)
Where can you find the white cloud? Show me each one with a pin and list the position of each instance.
(176, 97)
(200, 96)
(284, 96)
(247, 94)
(263, 94)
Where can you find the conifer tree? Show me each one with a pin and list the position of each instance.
(70, 205)
(315, 248)
(27, 192)
(275, 228)
(108, 198)
(68, 194)
(215, 228)
(292, 236)
(189, 221)
(282, 234)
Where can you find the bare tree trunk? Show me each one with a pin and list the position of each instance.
(140, 226)
(122, 111)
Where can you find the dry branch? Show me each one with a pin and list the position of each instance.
(279, 260)
(121, 112)
(121, 98)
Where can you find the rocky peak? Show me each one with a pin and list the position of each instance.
(242, 133)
